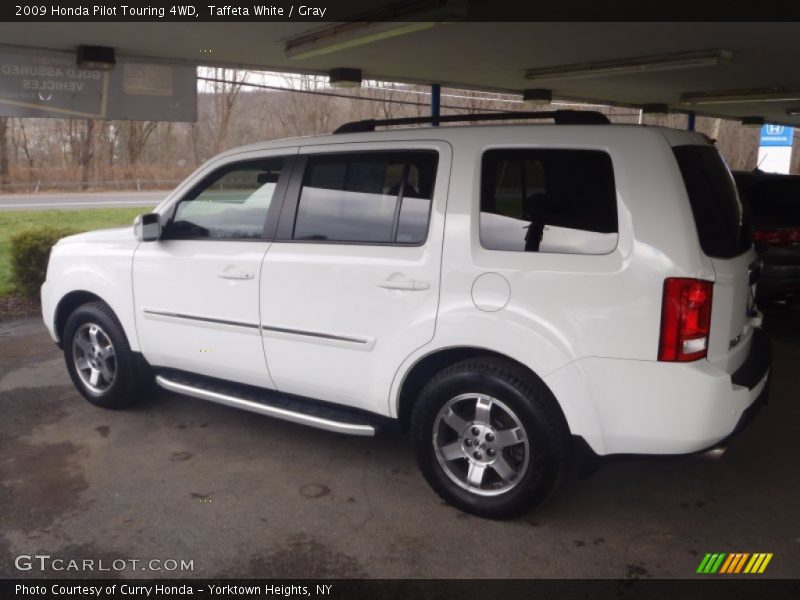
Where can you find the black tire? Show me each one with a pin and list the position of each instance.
(132, 376)
(534, 408)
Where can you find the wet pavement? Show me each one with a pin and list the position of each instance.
(243, 495)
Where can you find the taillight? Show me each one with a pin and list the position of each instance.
(777, 237)
(685, 319)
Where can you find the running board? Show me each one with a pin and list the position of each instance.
(269, 403)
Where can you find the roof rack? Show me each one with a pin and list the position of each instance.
(560, 117)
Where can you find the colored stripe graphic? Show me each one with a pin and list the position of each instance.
(715, 567)
(728, 562)
(735, 562)
(703, 564)
(741, 562)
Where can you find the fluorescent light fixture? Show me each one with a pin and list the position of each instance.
(640, 64)
(740, 96)
(793, 112)
(655, 109)
(96, 58)
(537, 97)
(348, 35)
(395, 19)
(752, 121)
(344, 78)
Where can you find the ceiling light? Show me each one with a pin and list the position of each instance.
(96, 58)
(398, 18)
(793, 112)
(752, 121)
(537, 97)
(344, 78)
(640, 64)
(739, 96)
(347, 35)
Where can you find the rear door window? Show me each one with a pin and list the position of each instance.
(377, 198)
(719, 215)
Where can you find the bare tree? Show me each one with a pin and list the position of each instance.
(4, 162)
(137, 133)
(226, 92)
(87, 152)
(24, 144)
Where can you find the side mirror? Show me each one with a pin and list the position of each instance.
(147, 228)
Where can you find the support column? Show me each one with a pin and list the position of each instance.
(436, 103)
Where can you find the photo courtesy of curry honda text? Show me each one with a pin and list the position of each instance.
(505, 293)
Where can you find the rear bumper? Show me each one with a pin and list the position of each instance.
(750, 375)
(649, 407)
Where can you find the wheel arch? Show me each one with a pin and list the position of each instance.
(428, 365)
(67, 305)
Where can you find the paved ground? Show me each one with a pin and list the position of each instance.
(79, 200)
(244, 495)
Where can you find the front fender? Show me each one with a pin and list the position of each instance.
(102, 271)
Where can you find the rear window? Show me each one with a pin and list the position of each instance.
(719, 215)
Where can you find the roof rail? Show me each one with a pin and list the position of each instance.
(560, 117)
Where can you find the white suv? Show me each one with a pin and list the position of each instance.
(503, 291)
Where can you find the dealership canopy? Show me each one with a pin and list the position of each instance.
(736, 70)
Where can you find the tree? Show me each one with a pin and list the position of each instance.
(4, 162)
(137, 134)
(226, 91)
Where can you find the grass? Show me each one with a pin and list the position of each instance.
(83, 220)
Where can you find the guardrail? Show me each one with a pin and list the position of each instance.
(133, 185)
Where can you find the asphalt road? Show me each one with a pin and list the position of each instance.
(79, 200)
(244, 495)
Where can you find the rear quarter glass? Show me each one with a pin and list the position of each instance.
(723, 223)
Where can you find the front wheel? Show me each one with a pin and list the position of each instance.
(99, 358)
(489, 437)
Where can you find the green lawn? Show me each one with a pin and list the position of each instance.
(83, 220)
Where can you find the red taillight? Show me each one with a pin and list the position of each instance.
(685, 319)
(777, 237)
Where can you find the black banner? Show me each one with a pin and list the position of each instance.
(395, 10)
(712, 588)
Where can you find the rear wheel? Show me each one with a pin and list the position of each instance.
(99, 359)
(489, 437)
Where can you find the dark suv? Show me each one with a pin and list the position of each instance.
(774, 202)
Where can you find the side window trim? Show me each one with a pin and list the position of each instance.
(288, 215)
(285, 227)
(271, 219)
(399, 204)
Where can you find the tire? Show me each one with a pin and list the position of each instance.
(121, 376)
(522, 447)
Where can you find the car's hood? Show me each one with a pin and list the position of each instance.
(100, 235)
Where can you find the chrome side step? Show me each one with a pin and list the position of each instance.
(264, 408)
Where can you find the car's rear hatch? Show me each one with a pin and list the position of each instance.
(724, 233)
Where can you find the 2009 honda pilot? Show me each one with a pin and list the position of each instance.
(501, 290)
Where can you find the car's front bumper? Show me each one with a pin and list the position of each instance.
(48, 311)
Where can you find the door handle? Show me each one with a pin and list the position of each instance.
(234, 273)
(406, 285)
